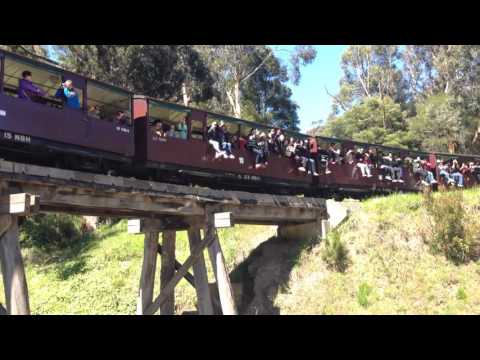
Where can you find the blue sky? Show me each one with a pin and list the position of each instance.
(314, 103)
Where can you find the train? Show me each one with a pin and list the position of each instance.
(46, 132)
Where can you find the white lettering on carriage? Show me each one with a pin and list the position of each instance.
(7, 135)
(22, 138)
(3, 113)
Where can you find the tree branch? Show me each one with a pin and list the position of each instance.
(337, 100)
(258, 67)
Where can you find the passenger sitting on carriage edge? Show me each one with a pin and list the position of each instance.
(456, 174)
(397, 172)
(420, 169)
(386, 165)
(313, 155)
(303, 158)
(444, 171)
(252, 146)
(324, 157)
(362, 163)
(26, 89)
(333, 153)
(212, 136)
(263, 145)
(223, 139)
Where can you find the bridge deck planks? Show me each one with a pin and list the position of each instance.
(94, 194)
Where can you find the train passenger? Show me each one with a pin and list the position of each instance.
(324, 157)
(71, 95)
(333, 153)
(456, 174)
(475, 169)
(181, 129)
(387, 166)
(212, 136)
(263, 144)
(420, 169)
(290, 148)
(350, 156)
(313, 155)
(224, 141)
(279, 143)
(300, 155)
(26, 89)
(362, 163)
(94, 111)
(158, 129)
(121, 118)
(444, 171)
(372, 157)
(252, 145)
(397, 171)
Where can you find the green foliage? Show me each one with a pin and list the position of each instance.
(52, 231)
(449, 232)
(373, 120)
(335, 252)
(364, 291)
(461, 294)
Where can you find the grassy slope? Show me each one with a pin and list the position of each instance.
(391, 262)
(103, 277)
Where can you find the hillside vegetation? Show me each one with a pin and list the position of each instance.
(100, 274)
(402, 254)
(400, 261)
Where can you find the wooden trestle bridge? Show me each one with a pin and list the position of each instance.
(162, 208)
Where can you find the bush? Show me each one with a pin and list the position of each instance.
(448, 226)
(364, 292)
(52, 231)
(335, 253)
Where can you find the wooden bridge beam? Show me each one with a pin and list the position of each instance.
(219, 268)
(202, 288)
(14, 280)
(167, 271)
(147, 277)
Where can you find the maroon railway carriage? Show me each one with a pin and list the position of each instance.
(194, 157)
(47, 132)
(59, 133)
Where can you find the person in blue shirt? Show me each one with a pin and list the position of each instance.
(71, 95)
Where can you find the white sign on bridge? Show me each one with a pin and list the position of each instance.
(223, 220)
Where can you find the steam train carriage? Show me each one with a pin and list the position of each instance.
(46, 132)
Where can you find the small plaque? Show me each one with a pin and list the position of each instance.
(223, 220)
(3, 113)
(134, 226)
(241, 160)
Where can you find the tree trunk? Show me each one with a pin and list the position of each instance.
(186, 98)
(238, 110)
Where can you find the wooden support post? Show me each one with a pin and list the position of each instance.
(167, 271)
(219, 268)
(204, 299)
(14, 280)
(147, 278)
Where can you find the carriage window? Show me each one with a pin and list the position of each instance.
(47, 80)
(172, 119)
(197, 129)
(108, 103)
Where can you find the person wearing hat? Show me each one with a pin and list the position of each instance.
(223, 139)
